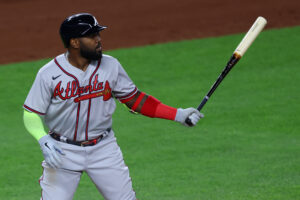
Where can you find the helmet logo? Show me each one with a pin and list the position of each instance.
(84, 32)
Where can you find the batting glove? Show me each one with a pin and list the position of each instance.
(51, 151)
(193, 114)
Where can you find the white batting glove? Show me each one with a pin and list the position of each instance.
(193, 114)
(51, 151)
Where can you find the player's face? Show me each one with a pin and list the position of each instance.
(90, 47)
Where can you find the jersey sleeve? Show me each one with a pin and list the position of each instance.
(124, 88)
(39, 96)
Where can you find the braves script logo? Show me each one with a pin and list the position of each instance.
(73, 90)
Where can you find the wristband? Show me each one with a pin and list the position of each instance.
(155, 109)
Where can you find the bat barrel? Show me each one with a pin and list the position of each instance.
(251, 35)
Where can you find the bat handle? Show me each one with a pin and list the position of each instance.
(203, 102)
(188, 121)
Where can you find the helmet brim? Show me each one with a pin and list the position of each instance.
(94, 29)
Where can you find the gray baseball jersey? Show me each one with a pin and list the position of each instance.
(78, 104)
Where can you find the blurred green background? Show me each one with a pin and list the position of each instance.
(246, 147)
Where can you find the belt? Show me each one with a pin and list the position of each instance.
(92, 142)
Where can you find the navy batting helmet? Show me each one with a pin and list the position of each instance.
(78, 25)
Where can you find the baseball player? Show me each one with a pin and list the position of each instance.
(73, 96)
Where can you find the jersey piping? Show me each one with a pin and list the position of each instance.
(90, 101)
(78, 108)
(122, 99)
(32, 110)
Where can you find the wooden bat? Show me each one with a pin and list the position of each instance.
(246, 42)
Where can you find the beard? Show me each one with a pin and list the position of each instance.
(90, 54)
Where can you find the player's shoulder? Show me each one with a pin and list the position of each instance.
(49, 68)
(110, 62)
(109, 59)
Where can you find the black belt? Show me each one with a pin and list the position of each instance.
(82, 143)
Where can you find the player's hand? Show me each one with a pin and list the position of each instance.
(193, 114)
(51, 151)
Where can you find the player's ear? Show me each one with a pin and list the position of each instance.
(74, 43)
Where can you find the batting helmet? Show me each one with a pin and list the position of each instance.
(78, 25)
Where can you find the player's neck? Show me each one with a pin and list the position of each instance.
(78, 61)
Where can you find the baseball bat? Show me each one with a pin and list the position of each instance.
(248, 39)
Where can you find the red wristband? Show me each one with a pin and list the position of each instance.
(165, 112)
(154, 108)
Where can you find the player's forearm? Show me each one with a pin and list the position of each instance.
(151, 107)
(34, 124)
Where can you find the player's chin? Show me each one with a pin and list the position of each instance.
(99, 52)
(92, 55)
(98, 55)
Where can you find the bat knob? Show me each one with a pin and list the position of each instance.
(188, 121)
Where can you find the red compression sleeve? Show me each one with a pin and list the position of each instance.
(154, 108)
